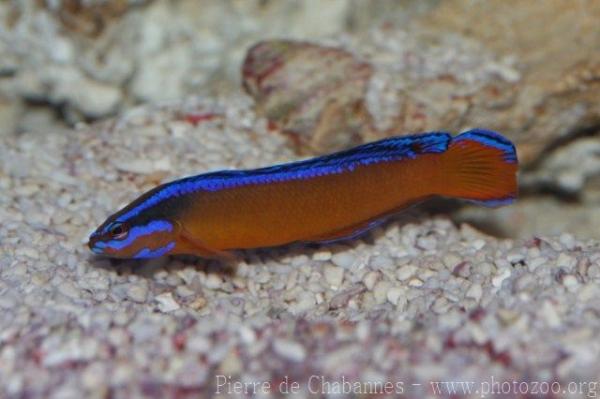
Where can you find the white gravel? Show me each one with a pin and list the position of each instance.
(419, 300)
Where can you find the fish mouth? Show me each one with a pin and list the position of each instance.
(97, 250)
(96, 246)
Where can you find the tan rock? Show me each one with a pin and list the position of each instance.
(313, 93)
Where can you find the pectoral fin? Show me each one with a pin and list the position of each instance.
(198, 248)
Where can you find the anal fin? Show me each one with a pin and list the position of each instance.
(356, 230)
(346, 233)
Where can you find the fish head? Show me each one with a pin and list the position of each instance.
(134, 237)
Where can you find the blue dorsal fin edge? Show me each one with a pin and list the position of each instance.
(491, 139)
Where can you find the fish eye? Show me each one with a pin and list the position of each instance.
(118, 231)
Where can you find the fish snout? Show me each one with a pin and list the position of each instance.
(95, 245)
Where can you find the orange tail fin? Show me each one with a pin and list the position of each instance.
(481, 166)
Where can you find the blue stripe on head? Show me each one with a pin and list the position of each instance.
(154, 226)
(147, 253)
(392, 149)
(491, 139)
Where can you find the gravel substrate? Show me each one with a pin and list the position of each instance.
(419, 301)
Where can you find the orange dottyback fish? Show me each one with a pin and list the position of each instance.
(323, 199)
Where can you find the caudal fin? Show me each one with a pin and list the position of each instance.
(481, 166)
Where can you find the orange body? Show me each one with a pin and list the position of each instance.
(333, 206)
(308, 210)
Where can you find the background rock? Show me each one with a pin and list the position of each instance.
(559, 90)
(123, 52)
(314, 94)
(432, 79)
